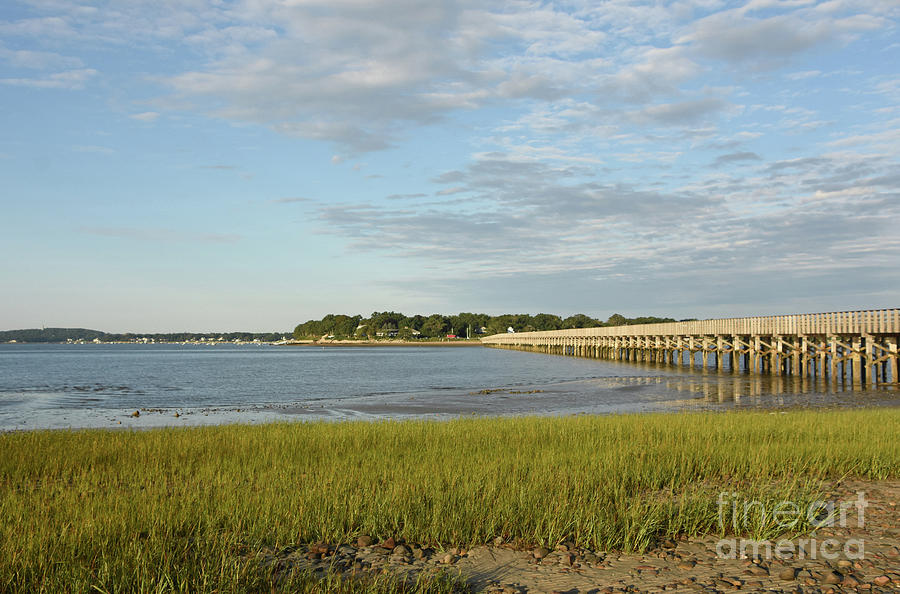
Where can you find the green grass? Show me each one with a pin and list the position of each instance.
(186, 509)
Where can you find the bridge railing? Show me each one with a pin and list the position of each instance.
(876, 321)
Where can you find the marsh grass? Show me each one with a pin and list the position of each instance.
(188, 509)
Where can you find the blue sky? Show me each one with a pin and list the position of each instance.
(192, 165)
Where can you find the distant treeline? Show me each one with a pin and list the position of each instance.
(390, 323)
(65, 334)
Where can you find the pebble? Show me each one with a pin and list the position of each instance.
(833, 577)
(364, 541)
(318, 548)
(448, 559)
(788, 573)
(400, 550)
(540, 553)
(390, 543)
(881, 580)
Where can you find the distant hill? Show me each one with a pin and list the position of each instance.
(85, 334)
(51, 335)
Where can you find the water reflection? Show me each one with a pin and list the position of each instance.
(708, 386)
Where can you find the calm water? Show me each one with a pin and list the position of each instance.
(58, 386)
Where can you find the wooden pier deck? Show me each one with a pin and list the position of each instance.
(850, 346)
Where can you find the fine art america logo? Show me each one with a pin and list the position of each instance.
(739, 514)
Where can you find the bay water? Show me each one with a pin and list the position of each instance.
(54, 386)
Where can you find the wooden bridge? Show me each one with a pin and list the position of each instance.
(849, 346)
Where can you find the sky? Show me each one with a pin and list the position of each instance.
(251, 164)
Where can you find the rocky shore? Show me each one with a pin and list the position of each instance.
(673, 565)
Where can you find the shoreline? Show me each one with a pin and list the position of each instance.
(681, 563)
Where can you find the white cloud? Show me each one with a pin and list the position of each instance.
(886, 140)
(744, 156)
(146, 116)
(681, 113)
(292, 200)
(607, 136)
(361, 75)
(38, 60)
(161, 235)
(71, 80)
(52, 27)
(92, 148)
(450, 191)
(659, 72)
(771, 42)
(804, 74)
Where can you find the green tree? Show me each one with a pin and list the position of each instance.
(387, 320)
(580, 321)
(437, 325)
(616, 320)
(650, 320)
(345, 326)
(499, 324)
(434, 326)
(544, 321)
(309, 329)
(415, 322)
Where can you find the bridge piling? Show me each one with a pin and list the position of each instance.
(859, 348)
